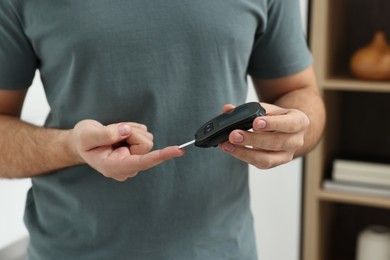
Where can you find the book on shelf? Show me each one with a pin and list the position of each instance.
(356, 188)
(360, 172)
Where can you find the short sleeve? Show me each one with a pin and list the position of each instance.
(17, 59)
(280, 49)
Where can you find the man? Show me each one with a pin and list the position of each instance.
(116, 71)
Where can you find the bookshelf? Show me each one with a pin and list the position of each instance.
(358, 125)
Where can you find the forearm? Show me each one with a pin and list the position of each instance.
(28, 150)
(309, 101)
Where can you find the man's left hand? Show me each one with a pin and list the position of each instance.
(275, 138)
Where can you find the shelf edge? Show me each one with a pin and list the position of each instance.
(356, 199)
(355, 85)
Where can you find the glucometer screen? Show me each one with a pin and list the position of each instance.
(233, 117)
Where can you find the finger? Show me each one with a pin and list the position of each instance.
(139, 142)
(291, 122)
(120, 164)
(138, 125)
(124, 176)
(260, 158)
(148, 135)
(142, 128)
(154, 158)
(272, 141)
(227, 108)
(113, 164)
(93, 134)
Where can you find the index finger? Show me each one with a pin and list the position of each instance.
(154, 158)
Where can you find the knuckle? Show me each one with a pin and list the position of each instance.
(261, 162)
(302, 124)
(110, 135)
(271, 161)
(305, 122)
(120, 179)
(264, 164)
(294, 143)
(149, 145)
(253, 161)
(143, 127)
(133, 174)
(106, 174)
(299, 122)
(142, 148)
(300, 142)
(289, 157)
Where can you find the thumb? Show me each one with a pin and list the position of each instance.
(94, 134)
(227, 108)
(112, 134)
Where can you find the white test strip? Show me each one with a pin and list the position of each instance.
(186, 144)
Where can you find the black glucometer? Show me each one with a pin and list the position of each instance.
(217, 130)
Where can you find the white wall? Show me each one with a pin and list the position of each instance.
(275, 195)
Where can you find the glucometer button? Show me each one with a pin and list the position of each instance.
(208, 128)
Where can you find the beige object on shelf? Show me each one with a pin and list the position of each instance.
(372, 62)
(374, 244)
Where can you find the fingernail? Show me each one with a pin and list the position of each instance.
(260, 124)
(124, 129)
(228, 147)
(238, 138)
(181, 153)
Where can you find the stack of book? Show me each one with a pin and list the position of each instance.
(366, 178)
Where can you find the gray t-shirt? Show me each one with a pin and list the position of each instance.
(171, 65)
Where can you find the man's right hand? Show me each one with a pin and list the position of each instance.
(118, 151)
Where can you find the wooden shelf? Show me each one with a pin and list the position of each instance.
(355, 127)
(363, 200)
(348, 84)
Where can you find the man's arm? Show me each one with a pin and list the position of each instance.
(27, 150)
(299, 91)
(292, 127)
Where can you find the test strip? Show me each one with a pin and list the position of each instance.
(186, 144)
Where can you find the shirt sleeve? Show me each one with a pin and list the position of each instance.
(280, 49)
(17, 59)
